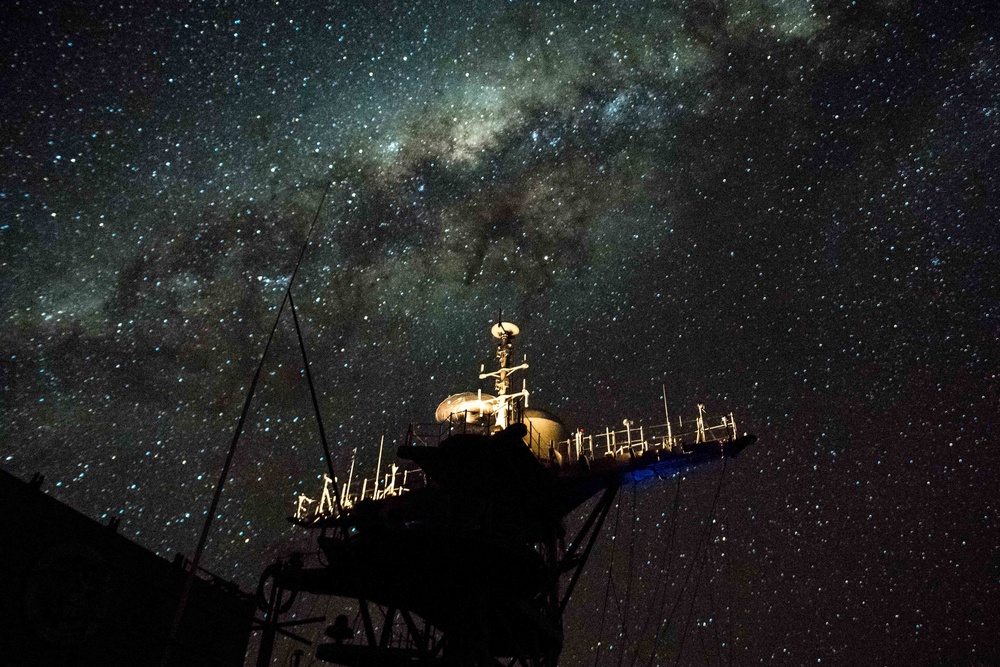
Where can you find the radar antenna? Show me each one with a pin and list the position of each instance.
(505, 332)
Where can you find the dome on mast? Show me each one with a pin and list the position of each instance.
(505, 329)
(469, 406)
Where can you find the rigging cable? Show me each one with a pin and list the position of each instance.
(704, 542)
(628, 585)
(701, 565)
(715, 626)
(623, 609)
(729, 594)
(711, 598)
(660, 592)
(607, 587)
(315, 402)
(203, 539)
(729, 611)
(663, 626)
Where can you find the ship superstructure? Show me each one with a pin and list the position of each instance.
(77, 592)
(456, 554)
(624, 449)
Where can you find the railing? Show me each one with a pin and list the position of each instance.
(639, 439)
(396, 482)
(630, 441)
(535, 443)
(612, 442)
(432, 434)
(427, 435)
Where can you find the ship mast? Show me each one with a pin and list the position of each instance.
(505, 332)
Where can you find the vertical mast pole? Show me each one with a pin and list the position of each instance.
(378, 468)
(350, 476)
(666, 413)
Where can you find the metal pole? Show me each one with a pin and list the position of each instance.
(378, 468)
(350, 476)
(213, 506)
(268, 628)
(666, 413)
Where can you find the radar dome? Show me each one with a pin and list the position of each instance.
(547, 425)
(468, 406)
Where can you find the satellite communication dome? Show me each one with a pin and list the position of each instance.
(468, 406)
(548, 426)
(500, 329)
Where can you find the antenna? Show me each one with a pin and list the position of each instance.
(505, 333)
(666, 413)
(378, 468)
(350, 476)
(213, 506)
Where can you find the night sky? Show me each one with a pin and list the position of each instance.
(783, 208)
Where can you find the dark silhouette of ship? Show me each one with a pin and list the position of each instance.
(76, 592)
(458, 554)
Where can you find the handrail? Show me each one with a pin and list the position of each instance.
(640, 438)
(633, 441)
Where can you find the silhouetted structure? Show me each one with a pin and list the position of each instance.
(463, 561)
(75, 592)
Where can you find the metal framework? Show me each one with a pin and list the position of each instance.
(457, 560)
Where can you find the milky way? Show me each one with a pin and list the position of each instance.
(783, 208)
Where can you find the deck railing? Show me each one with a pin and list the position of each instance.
(638, 439)
(632, 440)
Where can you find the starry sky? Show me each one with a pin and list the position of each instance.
(783, 208)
